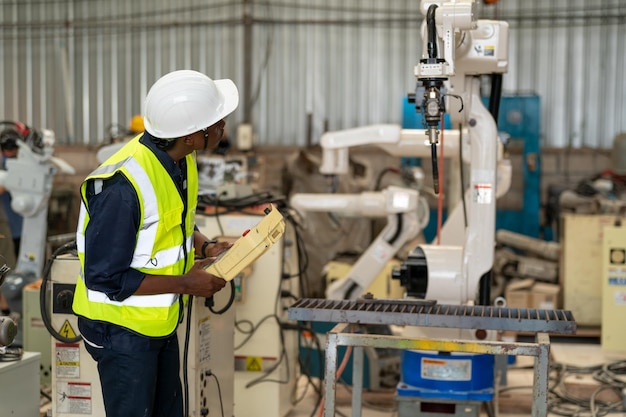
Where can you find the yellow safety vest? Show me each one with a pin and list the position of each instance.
(162, 248)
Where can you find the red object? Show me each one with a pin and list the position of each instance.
(21, 128)
(246, 232)
(490, 1)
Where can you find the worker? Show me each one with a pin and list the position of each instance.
(8, 147)
(136, 125)
(136, 240)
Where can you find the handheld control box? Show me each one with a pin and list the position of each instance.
(250, 246)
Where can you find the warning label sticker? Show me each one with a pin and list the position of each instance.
(67, 331)
(253, 363)
(74, 397)
(482, 193)
(67, 360)
(447, 370)
(204, 340)
(619, 297)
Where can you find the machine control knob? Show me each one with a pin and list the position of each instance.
(64, 299)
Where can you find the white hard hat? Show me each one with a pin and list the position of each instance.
(185, 101)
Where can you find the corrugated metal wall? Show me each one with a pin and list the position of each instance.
(81, 66)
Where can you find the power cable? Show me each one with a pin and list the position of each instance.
(564, 403)
(219, 390)
(209, 302)
(461, 174)
(186, 357)
(11, 354)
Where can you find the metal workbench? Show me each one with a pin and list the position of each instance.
(351, 313)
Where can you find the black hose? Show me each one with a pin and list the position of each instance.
(484, 288)
(186, 357)
(495, 95)
(432, 31)
(433, 154)
(396, 235)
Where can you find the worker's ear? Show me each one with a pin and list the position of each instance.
(188, 140)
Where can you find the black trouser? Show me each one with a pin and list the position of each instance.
(141, 382)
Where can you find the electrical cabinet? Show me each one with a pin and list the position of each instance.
(265, 355)
(581, 265)
(75, 383)
(36, 336)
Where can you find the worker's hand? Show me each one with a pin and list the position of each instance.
(200, 283)
(215, 249)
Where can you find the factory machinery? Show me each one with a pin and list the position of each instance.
(450, 330)
(265, 354)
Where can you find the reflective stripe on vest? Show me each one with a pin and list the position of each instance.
(158, 300)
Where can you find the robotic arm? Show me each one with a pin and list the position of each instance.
(28, 178)
(450, 272)
(406, 213)
(470, 50)
(391, 138)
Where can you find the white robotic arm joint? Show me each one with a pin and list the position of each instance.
(335, 145)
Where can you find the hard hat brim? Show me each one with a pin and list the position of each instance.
(231, 98)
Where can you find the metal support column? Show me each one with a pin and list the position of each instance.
(541, 375)
(357, 375)
(330, 378)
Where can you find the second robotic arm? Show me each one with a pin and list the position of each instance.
(406, 213)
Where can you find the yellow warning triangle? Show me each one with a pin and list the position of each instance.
(67, 330)
(253, 364)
